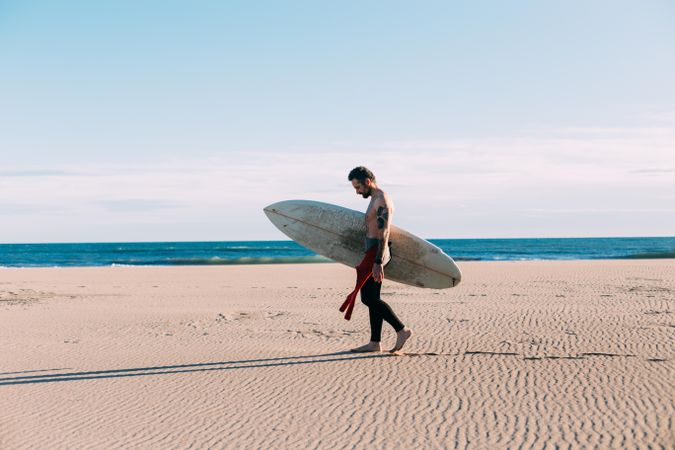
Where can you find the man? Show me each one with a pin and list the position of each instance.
(378, 223)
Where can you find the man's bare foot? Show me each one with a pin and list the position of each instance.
(369, 347)
(401, 337)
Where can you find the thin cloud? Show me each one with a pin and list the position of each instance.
(138, 205)
(665, 116)
(30, 208)
(7, 209)
(36, 173)
(465, 184)
(652, 171)
(600, 211)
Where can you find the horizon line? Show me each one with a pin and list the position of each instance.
(290, 240)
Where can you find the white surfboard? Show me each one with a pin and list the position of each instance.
(339, 233)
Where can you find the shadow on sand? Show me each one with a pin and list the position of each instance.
(187, 368)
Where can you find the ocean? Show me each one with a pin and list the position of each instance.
(284, 252)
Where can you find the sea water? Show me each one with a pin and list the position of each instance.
(280, 252)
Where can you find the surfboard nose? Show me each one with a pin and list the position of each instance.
(284, 207)
(274, 208)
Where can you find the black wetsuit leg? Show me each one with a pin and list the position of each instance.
(378, 310)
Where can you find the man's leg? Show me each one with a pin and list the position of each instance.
(370, 296)
(369, 292)
(380, 311)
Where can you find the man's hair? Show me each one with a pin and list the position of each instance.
(361, 173)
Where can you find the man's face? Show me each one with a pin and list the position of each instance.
(362, 189)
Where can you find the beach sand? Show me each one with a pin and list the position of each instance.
(555, 354)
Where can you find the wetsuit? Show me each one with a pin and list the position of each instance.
(379, 310)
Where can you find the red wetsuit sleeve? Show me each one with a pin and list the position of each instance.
(363, 271)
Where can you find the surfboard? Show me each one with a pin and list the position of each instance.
(339, 233)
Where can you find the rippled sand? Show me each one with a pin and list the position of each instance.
(575, 354)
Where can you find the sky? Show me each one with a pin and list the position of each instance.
(179, 121)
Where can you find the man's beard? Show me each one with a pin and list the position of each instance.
(367, 194)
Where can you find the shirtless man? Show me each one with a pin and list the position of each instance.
(378, 222)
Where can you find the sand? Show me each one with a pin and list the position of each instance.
(573, 354)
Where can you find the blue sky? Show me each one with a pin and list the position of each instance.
(131, 121)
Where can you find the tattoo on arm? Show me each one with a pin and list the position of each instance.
(382, 224)
(382, 217)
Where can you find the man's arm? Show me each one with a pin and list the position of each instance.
(383, 216)
(382, 231)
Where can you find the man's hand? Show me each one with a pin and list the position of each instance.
(378, 273)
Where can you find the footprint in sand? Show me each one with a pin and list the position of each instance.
(656, 312)
(241, 316)
(275, 315)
